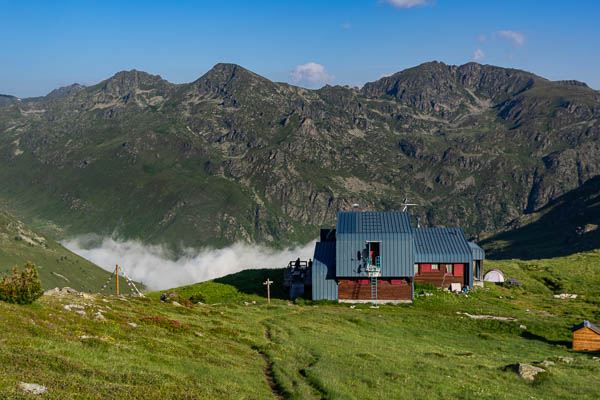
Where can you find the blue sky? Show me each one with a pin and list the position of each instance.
(48, 44)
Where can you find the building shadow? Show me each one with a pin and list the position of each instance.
(532, 336)
(251, 281)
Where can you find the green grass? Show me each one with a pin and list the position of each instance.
(317, 350)
(57, 266)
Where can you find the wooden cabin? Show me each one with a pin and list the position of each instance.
(378, 256)
(586, 336)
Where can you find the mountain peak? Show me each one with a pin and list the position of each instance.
(224, 72)
(124, 82)
(65, 91)
(225, 78)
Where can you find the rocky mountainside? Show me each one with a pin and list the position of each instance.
(567, 225)
(233, 156)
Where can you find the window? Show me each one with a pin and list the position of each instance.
(449, 269)
(435, 267)
(374, 253)
(417, 269)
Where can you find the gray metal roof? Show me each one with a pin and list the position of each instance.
(373, 222)
(586, 324)
(478, 253)
(441, 245)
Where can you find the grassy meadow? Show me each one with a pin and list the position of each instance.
(230, 347)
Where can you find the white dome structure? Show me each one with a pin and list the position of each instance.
(494, 275)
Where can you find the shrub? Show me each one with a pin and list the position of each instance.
(198, 298)
(21, 288)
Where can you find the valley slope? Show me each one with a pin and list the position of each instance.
(57, 266)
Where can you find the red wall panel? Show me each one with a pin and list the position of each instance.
(459, 269)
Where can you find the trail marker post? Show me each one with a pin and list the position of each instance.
(268, 282)
(117, 273)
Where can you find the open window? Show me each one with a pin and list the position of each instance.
(449, 269)
(374, 253)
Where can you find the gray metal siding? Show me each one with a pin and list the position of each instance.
(433, 245)
(397, 253)
(478, 253)
(324, 285)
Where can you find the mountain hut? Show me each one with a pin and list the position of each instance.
(586, 336)
(378, 256)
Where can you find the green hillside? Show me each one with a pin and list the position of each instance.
(146, 349)
(233, 156)
(57, 266)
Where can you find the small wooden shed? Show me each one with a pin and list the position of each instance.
(586, 336)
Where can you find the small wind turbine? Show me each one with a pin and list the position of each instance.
(405, 204)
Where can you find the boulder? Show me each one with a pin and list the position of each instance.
(565, 296)
(132, 324)
(566, 360)
(528, 372)
(68, 290)
(33, 388)
(52, 292)
(167, 296)
(546, 363)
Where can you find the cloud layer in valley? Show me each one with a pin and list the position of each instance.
(154, 266)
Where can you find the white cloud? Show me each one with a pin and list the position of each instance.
(482, 38)
(478, 55)
(407, 3)
(514, 37)
(153, 266)
(310, 74)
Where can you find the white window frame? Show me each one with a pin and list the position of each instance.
(435, 267)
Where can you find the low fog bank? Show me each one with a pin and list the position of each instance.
(153, 266)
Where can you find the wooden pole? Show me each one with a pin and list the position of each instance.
(117, 273)
(268, 283)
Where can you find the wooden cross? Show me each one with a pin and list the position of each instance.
(268, 283)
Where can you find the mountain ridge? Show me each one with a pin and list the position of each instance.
(233, 156)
